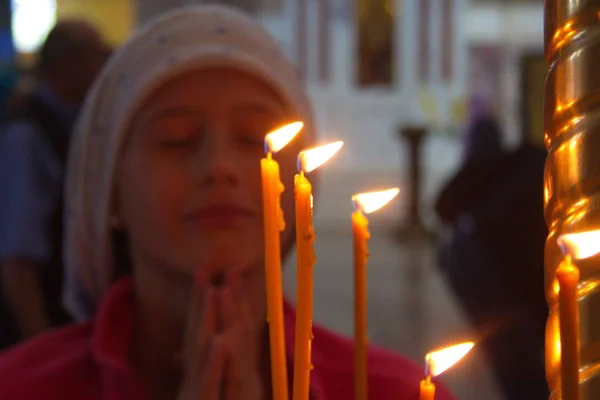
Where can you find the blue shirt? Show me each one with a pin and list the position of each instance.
(31, 178)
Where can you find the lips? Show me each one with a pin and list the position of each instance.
(220, 276)
(218, 215)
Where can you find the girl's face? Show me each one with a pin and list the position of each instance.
(188, 182)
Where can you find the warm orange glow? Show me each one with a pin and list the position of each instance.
(553, 345)
(557, 347)
(311, 159)
(561, 107)
(440, 360)
(555, 287)
(280, 137)
(580, 245)
(373, 201)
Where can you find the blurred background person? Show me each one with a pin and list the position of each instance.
(494, 258)
(34, 142)
(10, 78)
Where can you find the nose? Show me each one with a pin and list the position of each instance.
(214, 163)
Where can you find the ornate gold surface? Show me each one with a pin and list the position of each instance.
(572, 177)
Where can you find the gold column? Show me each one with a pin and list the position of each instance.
(572, 177)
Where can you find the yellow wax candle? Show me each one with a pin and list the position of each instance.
(567, 275)
(308, 160)
(437, 362)
(306, 259)
(273, 225)
(361, 235)
(578, 246)
(427, 389)
(365, 203)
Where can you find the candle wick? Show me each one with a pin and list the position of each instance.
(428, 379)
(565, 250)
(299, 165)
(269, 155)
(357, 206)
(428, 367)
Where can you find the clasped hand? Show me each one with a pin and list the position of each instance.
(220, 352)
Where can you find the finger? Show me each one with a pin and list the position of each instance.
(202, 278)
(240, 304)
(234, 368)
(189, 338)
(241, 373)
(204, 334)
(193, 318)
(228, 309)
(209, 317)
(201, 326)
(197, 302)
(212, 376)
(240, 341)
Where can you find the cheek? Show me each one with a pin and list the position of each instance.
(287, 197)
(151, 197)
(287, 204)
(249, 183)
(287, 168)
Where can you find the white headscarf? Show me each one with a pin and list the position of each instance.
(188, 38)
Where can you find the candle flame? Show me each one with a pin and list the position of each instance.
(373, 201)
(311, 159)
(440, 360)
(280, 137)
(580, 245)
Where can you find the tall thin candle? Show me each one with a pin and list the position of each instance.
(567, 275)
(364, 203)
(574, 246)
(273, 225)
(308, 160)
(437, 362)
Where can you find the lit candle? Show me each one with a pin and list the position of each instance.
(364, 203)
(567, 276)
(273, 225)
(308, 160)
(574, 246)
(438, 361)
(427, 389)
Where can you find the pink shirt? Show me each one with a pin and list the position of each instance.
(89, 361)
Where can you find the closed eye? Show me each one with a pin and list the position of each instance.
(177, 143)
(252, 139)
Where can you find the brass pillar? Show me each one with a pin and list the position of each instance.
(572, 176)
